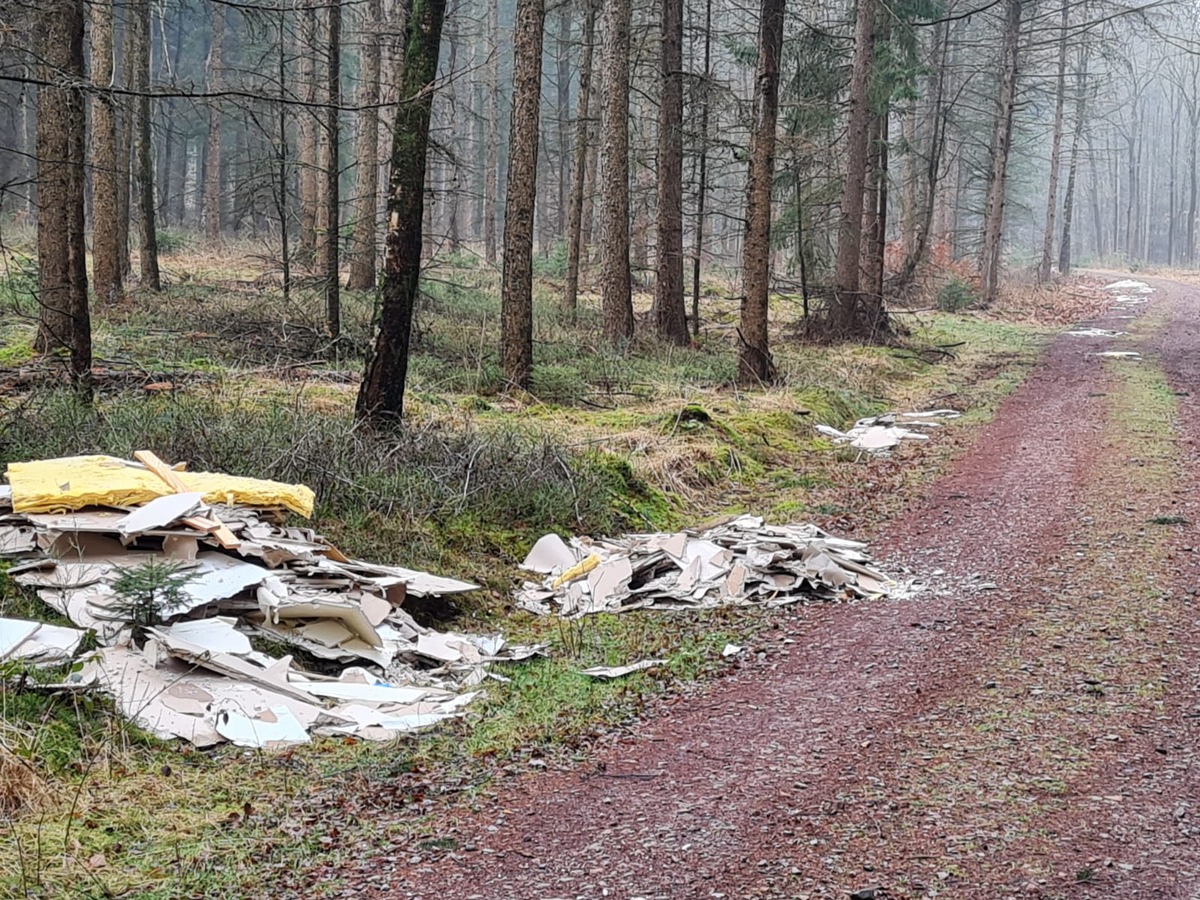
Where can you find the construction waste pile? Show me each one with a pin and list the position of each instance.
(740, 562)
(879, 434)
(175, 572)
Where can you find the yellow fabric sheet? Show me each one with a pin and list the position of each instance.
(54, 485)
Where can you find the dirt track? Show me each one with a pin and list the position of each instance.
(1036, 739)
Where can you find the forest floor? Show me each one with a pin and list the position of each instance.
(1031, 734)
(221, 371)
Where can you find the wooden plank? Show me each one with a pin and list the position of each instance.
(209, 524)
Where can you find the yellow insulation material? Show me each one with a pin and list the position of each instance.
(56, 485)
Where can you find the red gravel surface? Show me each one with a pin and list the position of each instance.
(1028, 728)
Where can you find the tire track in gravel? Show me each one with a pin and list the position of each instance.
(844, 755)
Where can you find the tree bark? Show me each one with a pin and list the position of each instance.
(516, 297)
(847, 275)
(381, 394)
(147, 207)
(1064, 249)
(212, 158)
(669, 313)
(333, 170)
(994, 202)
(702, 170)
(755, 365)
(307, 138)
(575, 210)
(107, 270)
(1060, 94)
(615, 289)
(62, 265)
(362, 261)
(491, 175)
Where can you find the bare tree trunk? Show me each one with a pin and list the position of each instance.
(936, 126)
(212, 160)
(847, 274)
(366, 201)
(106, 259)
(755, 365)
(993, 213)
(62, 266)
(307, 140)
(615, 288)
(1172, 214)
(148, 256)
(381, 394)
(563, 90)
(575, 211)
(702, 170)
(1193, 108)
(912, 178)
(491, 174)
(1064, 250)
(126, 115)
(1060, 94)
(669, 313)
(516, 298)
(878, 249)
(333, 171)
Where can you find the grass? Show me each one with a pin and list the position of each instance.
(607, 440)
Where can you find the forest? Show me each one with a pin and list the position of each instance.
(483, 274)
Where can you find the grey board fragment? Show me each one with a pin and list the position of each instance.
(160, 512)
(611, 672)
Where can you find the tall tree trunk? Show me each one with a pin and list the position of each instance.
(912, 179)
(615, 289)
(563, 90)
(62, 265)
(212, 162)
(362, 261)
(1060, 95)
(516, 297)
(670, 314)
(847, 275)
(867, 268)
(1193, 109)
(936, 127)
(878, 249)
(755, 365)
(106, 259)
(307, 140)
(333, 171)
(147, 207)
(1064, 249)
(126, 143)
(381, 394)
(491, 174)
(582, 128)
(1172, 214)
(702, 170)
(994, 202)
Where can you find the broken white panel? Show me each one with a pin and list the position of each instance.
(160, 512)
(276, 728)
(1096, 332)
(731, 650)
(14, 540)
(448, 648)
(608, 580)
(379, 692)
(218, 634)
(1129, 285)
(218, 577)
(138, 689)
(45, 644)
(1120, 354)
(549, 554)
(610, 672)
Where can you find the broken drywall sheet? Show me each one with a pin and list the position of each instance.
(608, 673)
(741, 561)
(1137, 287)
(881, 434)
(1096, 333)
(197, 676)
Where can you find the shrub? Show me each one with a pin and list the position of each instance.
(954, 295)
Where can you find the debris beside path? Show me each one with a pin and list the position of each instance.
(179, 575)
(740, 562)
(880, 434)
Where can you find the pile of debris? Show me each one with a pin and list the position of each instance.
(879, 434)
(175, 572)
(739, 562)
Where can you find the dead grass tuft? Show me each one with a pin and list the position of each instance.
(22, 789)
